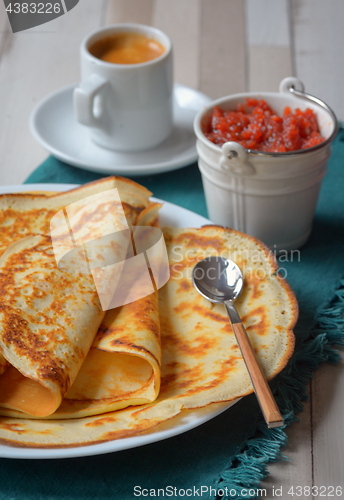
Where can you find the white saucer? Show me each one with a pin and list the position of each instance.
(54, 126)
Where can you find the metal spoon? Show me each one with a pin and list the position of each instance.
(220, 280)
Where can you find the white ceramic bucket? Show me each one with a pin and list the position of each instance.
(271, 196)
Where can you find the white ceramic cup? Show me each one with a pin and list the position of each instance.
(271, 196)
(128, 107)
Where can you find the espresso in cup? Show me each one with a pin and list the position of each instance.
(127, 48)
(125, 96)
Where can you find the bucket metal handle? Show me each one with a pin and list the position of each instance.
(291, 83)
(294, 86)
(234, 159)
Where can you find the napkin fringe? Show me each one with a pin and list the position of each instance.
(249, 467)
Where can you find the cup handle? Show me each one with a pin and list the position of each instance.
(234, 159)
(84, 95)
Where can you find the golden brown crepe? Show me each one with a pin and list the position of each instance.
(201, 362)
(3, 364)
(123, 367)
(23, 214)
(48, 320)
(206, 350)
(27, 214)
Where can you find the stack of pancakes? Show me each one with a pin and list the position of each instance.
(72, 373)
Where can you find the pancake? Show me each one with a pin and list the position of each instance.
(123, 366)
(48, 320)
(24, 214)
(98, 218)
(208, 352)
(3, 364)
(201, 362)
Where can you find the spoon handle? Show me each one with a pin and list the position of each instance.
(264, 395)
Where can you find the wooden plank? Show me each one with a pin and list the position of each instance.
(129, 11)
(223, 60)
(267, 67)
(267, 23)
(298, 470)
(269, 46)
(328, 428)
(181, 20)
(35, 63)
(318, 41)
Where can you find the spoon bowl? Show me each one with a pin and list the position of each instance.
(221, 281)
(218, 279)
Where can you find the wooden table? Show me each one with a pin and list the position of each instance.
(221, 47)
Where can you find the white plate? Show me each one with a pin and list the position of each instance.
(170, 214)
(55, 127)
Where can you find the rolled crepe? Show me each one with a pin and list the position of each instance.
(123, 367)
(48, 320)
(26, 385)
(3, 364)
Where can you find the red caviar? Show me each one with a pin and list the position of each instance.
(256, 126)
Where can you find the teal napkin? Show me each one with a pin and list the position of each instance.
(233, 450)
